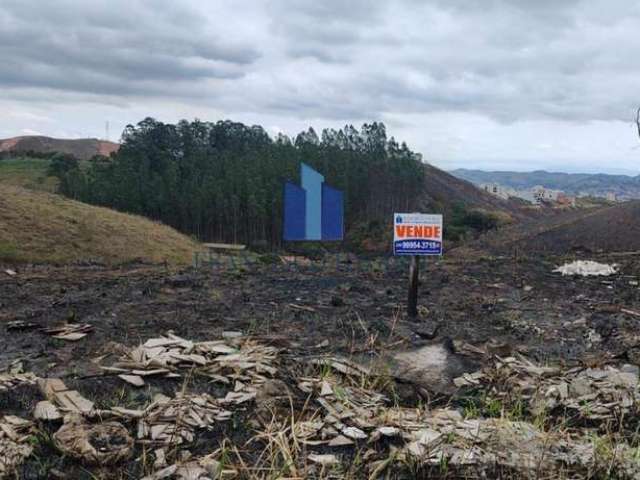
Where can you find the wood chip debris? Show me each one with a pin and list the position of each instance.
(342, 365)
(134, 380)
(343, 413)
(592, 393)
(172, 421)
(205, 468)
(21, 325)
(71, 332)
(66, 400)
(45, 410)
(353, 415)
(325, 460)
(15, 433)
(9, 381)
(227, 361)
(303, 308)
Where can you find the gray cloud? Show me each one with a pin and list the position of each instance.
(113, 47)
(505, 59)
(497, 64)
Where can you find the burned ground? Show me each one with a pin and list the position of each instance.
(611, 229)
(470, 308)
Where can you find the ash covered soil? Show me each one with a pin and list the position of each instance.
(475, 312)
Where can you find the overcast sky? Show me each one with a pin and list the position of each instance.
(491, 84)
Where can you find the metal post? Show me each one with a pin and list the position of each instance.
(414, 271)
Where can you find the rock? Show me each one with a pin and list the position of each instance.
(432, 367)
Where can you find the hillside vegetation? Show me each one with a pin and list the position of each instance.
(223, 181)
(27, 172)
(41, 227)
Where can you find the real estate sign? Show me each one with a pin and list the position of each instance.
(417, 234)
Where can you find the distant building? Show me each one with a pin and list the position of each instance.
(612, 197)
(536, 195)
(497, 190)
(542, 194)
(566, 200)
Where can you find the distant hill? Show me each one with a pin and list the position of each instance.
(444, 190)
(582, 184)
(39, 227)
(82, 148)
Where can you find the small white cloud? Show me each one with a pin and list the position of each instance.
(28, 131)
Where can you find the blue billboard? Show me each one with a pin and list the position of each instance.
(314, 210)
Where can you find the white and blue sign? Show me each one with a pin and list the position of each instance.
(417, 234)
(313, 210)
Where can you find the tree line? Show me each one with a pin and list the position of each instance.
(224, 181)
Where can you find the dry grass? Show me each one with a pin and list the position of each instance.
(40, 227)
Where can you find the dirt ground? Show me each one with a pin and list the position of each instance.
(348, 307)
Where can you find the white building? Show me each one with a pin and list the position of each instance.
(497, 190)
(542, 194)
(537, 194)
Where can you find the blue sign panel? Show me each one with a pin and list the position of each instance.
(294, 212)
(313, 211)
(332, 215)
(312, 184)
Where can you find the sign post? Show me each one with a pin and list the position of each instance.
(414, 273)
(415, 235)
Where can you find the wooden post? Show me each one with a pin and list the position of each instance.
(414, 272)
